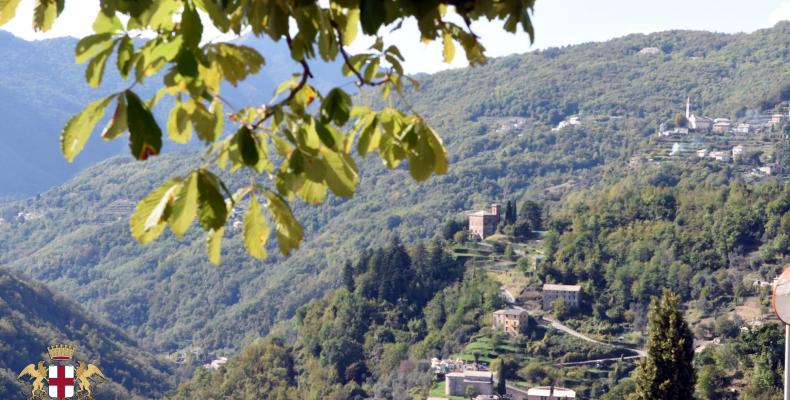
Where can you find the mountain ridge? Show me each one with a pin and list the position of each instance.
(167, 295)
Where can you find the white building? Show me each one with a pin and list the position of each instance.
(743, 129)
(722, 125)
(455, 383)
(699, 124)
(550, 393)
(719, 156)
(552, 292)
(737, 151)
(769, 169)
(215, 364)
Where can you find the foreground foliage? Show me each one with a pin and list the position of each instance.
(296, 148)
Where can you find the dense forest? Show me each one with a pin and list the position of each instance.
(395, 305)
(621, 232)
(32, 317)
(691, 229)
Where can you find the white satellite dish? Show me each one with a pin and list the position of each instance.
(781, 296)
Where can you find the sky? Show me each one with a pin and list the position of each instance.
(557, 23)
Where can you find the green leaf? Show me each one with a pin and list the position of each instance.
(372, 69)
(213, 245)
(125, 54)
(216, 13)
(95, 70)
(77, 130)
(439, 152)
(421, 159)
(278, 21)
(235, 62)
(45, 13)
(191, 27)
(213, 211)
(289, 232)
(186, 63)
(159, 213)
(329, 136)
(372, 15)
(256, 229)
(336, 107)
(106, 24)
(117, 124)
(208, 125)
(449, 48)
(185, 206)
(247, 146)
(312, 192)
(369, 136)
(145, 136)
(179, 128)
(352, 27)
(340, 173)
(7, 10)
(89, 46)
(147, 221)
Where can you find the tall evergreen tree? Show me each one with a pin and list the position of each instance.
(667, 373)
(348, 276)
(510, 213)
(501, 385)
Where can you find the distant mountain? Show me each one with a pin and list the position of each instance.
(41, 87)
(496, 121)
(32, 317)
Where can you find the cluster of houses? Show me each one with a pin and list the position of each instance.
(459, 377)
(515, 321)
(722, 126)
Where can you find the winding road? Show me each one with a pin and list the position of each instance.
(511, 300)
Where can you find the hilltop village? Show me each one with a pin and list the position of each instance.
(747, 141)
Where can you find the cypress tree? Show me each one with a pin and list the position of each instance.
(348, 276)
(667, 373)
(501, 385)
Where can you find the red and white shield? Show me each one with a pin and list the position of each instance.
(60, 381)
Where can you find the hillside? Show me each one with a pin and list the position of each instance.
(695, 229)
(497, 126)
(33, 317)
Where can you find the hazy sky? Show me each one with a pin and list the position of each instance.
(557, 22)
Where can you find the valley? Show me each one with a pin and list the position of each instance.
(620, 229)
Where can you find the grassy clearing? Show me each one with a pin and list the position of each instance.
(437, 390)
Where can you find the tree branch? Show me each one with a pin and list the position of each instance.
(306, 75)
(360, 79)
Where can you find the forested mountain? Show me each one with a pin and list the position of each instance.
(695, 229)
(32, 317)
(40, 88)
(496, 122)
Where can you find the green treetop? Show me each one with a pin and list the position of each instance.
(667, 372)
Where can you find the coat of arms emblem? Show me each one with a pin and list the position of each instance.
(61, 380)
